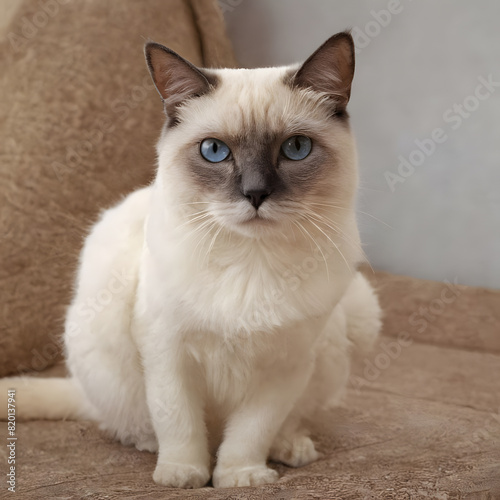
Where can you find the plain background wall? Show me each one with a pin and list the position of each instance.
(412, 69)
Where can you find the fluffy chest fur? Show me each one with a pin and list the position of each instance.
(238, 286)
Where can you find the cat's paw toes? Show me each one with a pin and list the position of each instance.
(147, 444)
(181, 475)
(295, 452)
(230, 477)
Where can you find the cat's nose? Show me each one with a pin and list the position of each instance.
(256, 196)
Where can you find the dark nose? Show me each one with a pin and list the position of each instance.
(256, 196)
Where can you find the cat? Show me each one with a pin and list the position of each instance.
(217, 309)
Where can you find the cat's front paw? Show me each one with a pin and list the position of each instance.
(181, 475)
(230, 477)
(296, 451)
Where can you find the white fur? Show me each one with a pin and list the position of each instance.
(186, 342)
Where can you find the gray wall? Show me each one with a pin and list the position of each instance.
(412, 70)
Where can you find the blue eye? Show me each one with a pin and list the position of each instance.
(296, 147)
(214, 150)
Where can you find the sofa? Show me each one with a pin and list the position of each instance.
(79, 119)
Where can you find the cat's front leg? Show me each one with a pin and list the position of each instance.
(175, 402)
(253, 426)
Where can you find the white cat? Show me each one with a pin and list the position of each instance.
(216, 309)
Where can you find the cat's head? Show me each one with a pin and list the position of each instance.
(258, 151)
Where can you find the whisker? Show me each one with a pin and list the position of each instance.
(212, 243)
(357, 211)
(332, 242)
(319, 248)
(336, 228)
(197, 218)
(342, 235)
(205, 234)
(201, 202)
(197, 229)
(375, 218)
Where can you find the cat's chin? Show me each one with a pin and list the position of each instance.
(255, 227)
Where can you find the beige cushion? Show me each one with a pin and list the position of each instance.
(79, 119)
(420, 421)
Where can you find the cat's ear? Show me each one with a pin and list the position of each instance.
(175, 78)
(330, 70)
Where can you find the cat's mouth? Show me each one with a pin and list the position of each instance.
(254, 226)
(256, 218)
(245, 219)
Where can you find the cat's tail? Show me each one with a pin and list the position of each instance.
(43, 398)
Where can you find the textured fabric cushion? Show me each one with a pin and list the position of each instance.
(79, 119)
(421, 419)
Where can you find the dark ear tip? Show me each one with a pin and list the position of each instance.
(346, 33)
(152, 49)
(150, 46)
(344, 36)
